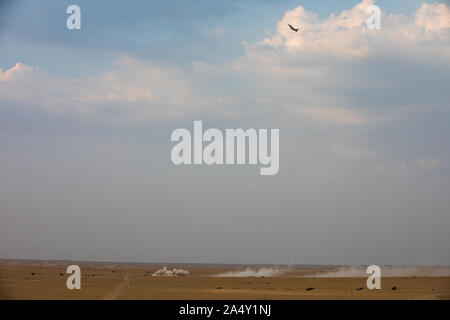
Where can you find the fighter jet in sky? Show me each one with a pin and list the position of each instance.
(292, 28)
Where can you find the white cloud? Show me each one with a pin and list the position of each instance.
(17, 72)
(353, 152)
(333, 115)
(428, 163)
(343, 33)
(327, 73)
(136, 90)
(347, 34)
(433, 17)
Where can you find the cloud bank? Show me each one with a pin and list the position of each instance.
(319, 73)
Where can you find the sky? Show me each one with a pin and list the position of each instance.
(86, 118)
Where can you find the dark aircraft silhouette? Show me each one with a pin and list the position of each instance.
(292, 28)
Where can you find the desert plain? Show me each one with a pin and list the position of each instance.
(47, 280)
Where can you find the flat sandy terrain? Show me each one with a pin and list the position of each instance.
(47, 280)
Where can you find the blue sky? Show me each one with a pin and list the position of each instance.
(169, 31)
(86, 117)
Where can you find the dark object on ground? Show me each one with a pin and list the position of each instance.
(219, 288)
(61, 274)
(309, 289)
(360, 289)
(33, 274)
(394, 288)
